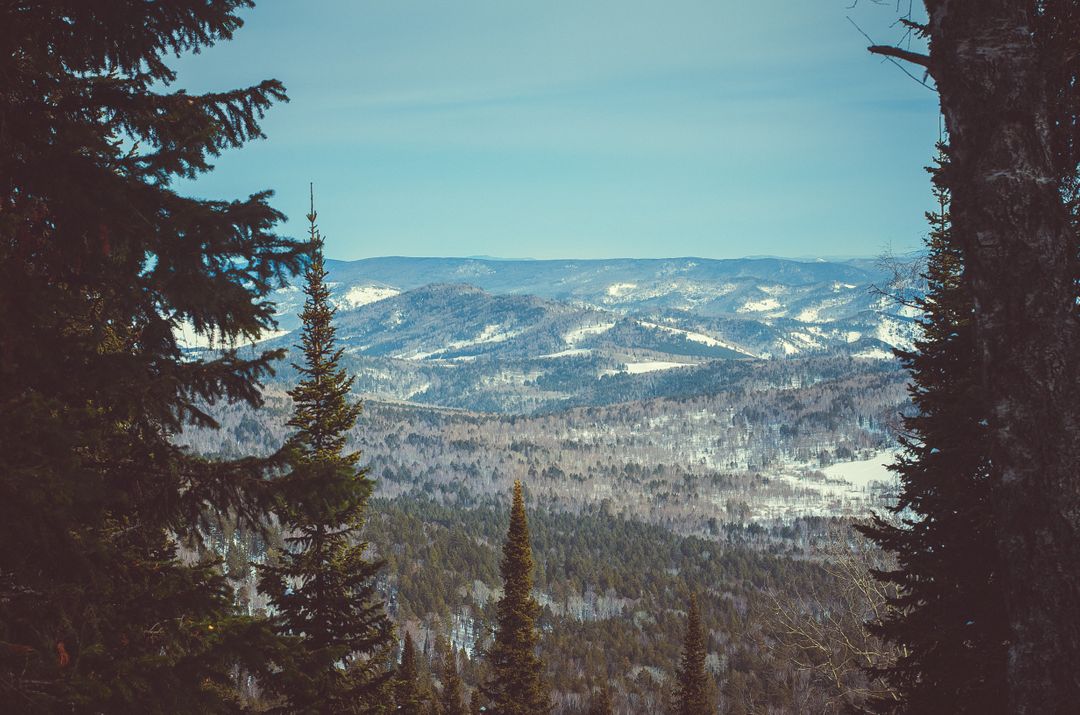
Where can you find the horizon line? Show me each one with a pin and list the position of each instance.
(754, 257)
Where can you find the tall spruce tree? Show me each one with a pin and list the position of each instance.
(949, 617)
(451, 701)
(101, 261)
(515, 685)
(692, 682)
(322, 590)
(407, 695)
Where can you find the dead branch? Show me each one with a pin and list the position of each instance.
(900, 53)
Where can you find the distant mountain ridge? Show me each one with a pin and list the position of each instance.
(527, 335)
(584, 278)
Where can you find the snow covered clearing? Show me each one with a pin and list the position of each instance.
(567, 353)
(846, 490)
(898, 333)
(865, 472)
(759, 306)
(695, 337)
(576, 335)
(619, 290)
(490, 334)
(873, 354)
(635, 368)
(363, 295)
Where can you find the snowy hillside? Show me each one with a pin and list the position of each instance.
(523, 336)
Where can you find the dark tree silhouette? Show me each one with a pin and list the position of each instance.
(948, 617)
(323, 588)
(101, 262)
(516, 686)
(407, 695)
(451, 700)
(692, 682)
(1007, 76)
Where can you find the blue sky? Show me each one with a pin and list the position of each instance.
(582, 129)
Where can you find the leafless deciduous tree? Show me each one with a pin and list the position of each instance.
(823, 633)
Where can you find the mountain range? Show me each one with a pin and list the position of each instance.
(522, 336)
(580, 376)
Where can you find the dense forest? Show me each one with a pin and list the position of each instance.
(684, 462)
(613, 593)
(181, 534)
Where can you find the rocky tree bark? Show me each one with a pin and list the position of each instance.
(1000, 100)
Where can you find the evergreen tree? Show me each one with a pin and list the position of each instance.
(601, 703)
(692, 682)
(1009, 96)
(323, 588)
(474, 703)
(451, 699)
(949, 618)
(515, 685)
(407, 681)
(101, 261)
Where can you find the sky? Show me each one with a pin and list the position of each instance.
(580, 129)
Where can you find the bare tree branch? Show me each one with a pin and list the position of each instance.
(900, 53)
(892, 58)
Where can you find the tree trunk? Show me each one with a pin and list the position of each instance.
(1020, 255)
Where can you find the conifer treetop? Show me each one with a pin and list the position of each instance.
(451, 699)
(323, 589)
(407, 695)
(692, 688)
(516, 684)
(946, 615)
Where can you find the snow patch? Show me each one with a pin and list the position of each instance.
(695, 337)
(620, 290)
(759, 306)
(635, 368)
(863, 473)
(895, 332)
(812, 314)
(567, 353)
(873, 354)
(847, 488)
(416, 356)
(576, 335)
(807, 339)
(363, 295)
(494, 333)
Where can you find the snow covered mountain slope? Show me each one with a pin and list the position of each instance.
(522, 336)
